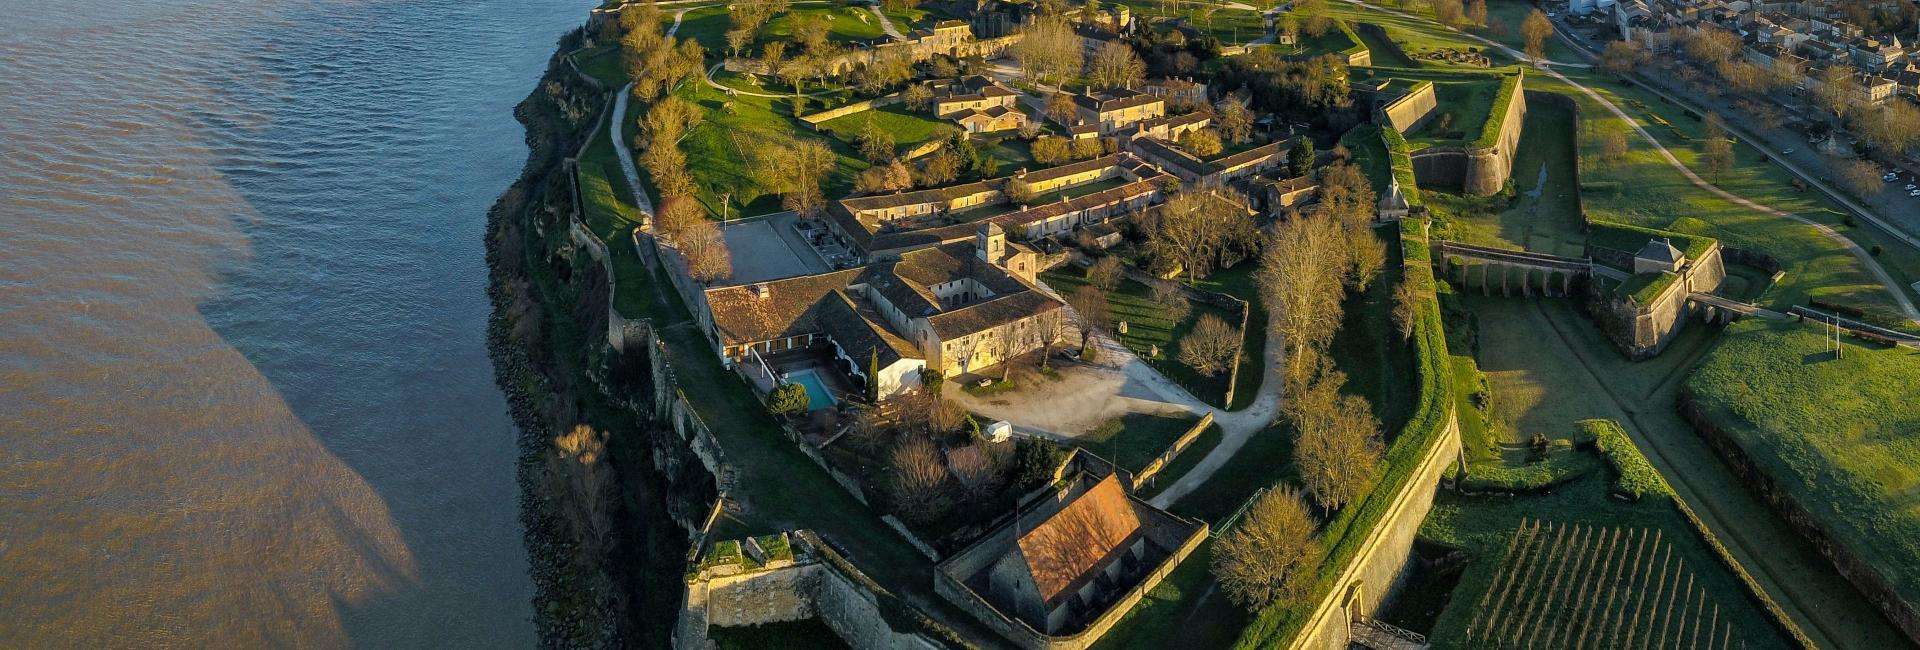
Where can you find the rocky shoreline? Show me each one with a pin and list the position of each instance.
(578, 601)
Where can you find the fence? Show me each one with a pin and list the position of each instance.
(1173, 451)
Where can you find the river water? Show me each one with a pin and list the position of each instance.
(245, 398)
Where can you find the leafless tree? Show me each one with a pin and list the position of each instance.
(1052, 327)
(919, 479)
(1007, 339)
(1534, 31)
(1115, 65)
(1171, 300)
(1049, 52)
(1858, 176)
(1105, 273)
(1716, 149)
(1091, 304)
(583, 488)
(1236, 122)
(1406, 306)
(1198, 229)
(1339, 447)
(1299, 276)
(1622, 58)
(1270, 555)
(1210, 347)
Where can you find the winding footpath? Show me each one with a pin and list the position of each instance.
(1236, 427)
(619, 117)
(1880, 274)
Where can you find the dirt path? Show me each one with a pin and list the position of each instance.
(886, 24)
(620, 150)
(1236, 426)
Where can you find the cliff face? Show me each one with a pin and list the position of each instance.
(590, 590)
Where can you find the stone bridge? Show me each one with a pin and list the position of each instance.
(1367, 632)
(1526, 262)
(1720, 309)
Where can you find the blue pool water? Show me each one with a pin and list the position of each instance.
(817, 395)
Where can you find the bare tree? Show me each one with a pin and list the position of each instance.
(1406, 308)
(1317, 19)
(1622, 58)
(708, 258)
(919, 479)
(1270, 555)
(669, 121)
(583, 488)
(1060, 107)
(1836, 89)
(944, 417)
(1858, 176)
(1115, 65)
(1052, 326)
(1198, 229)
(1007, 339)
(1202, 143)
(1534, 31)
(1716, 149)
(1299, 278)
(1105, 273)
(1049, 52)
(1339, 447)
(1210, 347)
(1895, 127)
(1171, 299)
(1090, 303)
(917, 97)
(1449, 13)
(1236, 122)
(1367, 255)
(1613, 147)
(1477, 13)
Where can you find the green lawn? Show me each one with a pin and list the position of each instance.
(717, 149)
(603, 64)
(907, 127)
(1841, 437)
(708, 25)
(1238, 282)
(847, 24)
(1148, 327)
(1136, 439)
(1465, 106)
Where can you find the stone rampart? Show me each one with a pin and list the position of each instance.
(1408, 112)
(1374, 572)
(1642, 330)
(809, 586)
(1481, 167)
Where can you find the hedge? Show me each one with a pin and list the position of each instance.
(1490, 132)
(1563, 464)
(1400, 161)
(1633, 476)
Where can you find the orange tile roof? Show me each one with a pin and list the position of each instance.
(1078, 538)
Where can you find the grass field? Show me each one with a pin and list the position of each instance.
(1136, 439)
(1183, 463)
(846, 24)
(708, 25)
(1148, 327)
(1464, 107)
(907, 127)
(717, 149)
(1841, 436)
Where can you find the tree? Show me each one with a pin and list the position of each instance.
(1300, 157)
(708, 258)
(1235, 121)
(1858, 176)
(1368, 256)
(1052, 150)
(1716, 150)
(876, 144)
(919, 480)
(1836, 89)
(917, 97)
(1346, 195)
(1090, 303)
(1534, 31)
(1203, 143)
(944, 417)
(1270, 555)
(1449, 13)
(582, 483)
(773, 57)
(1622, 58)
(1008, 339)
(788, 399)
(1299, 278)
(1406, 307)
(1209, 348)
(670, 119)
(668, 167)
(811, 31)
(1895, 127)
(1105, 273)
(1316, 20)
(1060, 107)
(1087, 148)
(940, 169)
(1199, 229)
(795, 168)
(1171, 299)
(1049, 52)
(1613, 146)
(1711, 46)
(1477, 13)
(1338, 447)
(1051, 327)
(1115, 65)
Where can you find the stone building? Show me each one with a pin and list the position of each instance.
(1070, 562)
(1117, 108)
(976, 93)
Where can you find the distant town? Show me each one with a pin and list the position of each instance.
(1063, 324)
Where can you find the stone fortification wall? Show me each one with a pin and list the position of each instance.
(1374, 573)
(1643, 330)
(810, 586)
(1481, 167)
(816, 119)
(1412, 109)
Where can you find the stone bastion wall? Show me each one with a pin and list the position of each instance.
(1476, 169)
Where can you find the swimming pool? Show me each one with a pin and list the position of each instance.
(818, 397)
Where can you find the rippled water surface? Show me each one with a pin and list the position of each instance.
(244, 394)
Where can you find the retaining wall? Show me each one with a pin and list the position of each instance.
(1482, 167)
(808, 588)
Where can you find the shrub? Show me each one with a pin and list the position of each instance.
(1633, 476)
(788, 399)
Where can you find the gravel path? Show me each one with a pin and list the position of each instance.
(620, 150)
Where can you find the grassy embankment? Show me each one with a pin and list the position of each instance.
(1840, 436)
